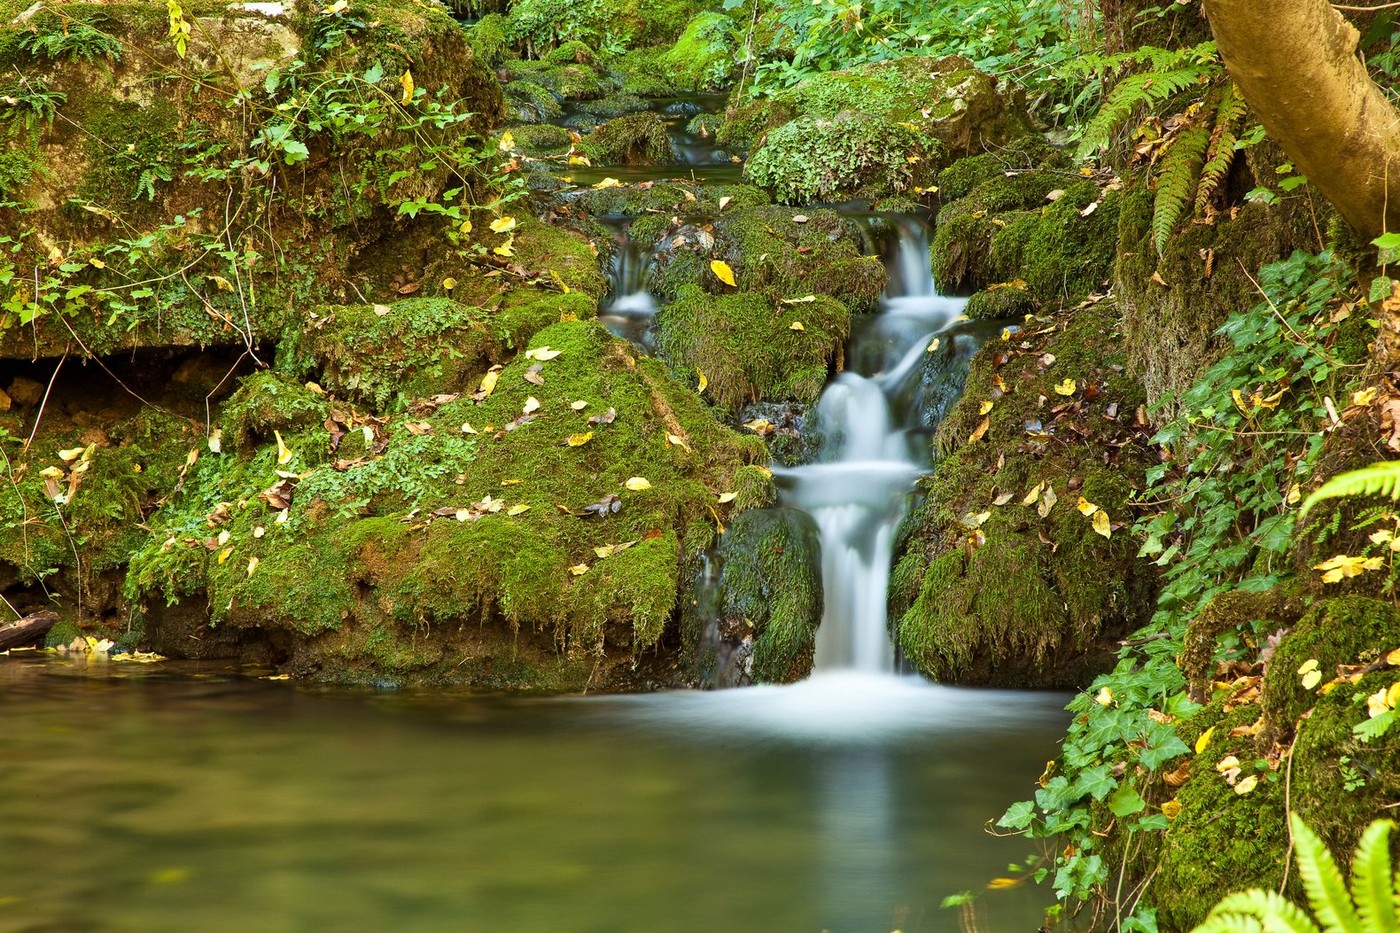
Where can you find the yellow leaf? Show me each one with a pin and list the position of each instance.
(503, 225)
(511, 482)
(1294, 494)
(532, 404)
(543, 354)
(1171, 809)
(804, 300)
(796, 325)
(980, 430)
(252, 565)
(507, 143)
(406, 82)
(506, 249)
(488, 381)
(608, 183)
(985, 407)
(1311, 679)
(677, 441)
(1226, 763)
(224, 554)
(1393, 658)
(1104, 697)
(284, 453)
(1364, 397)
(726, 497)
(578, 570)
(579, 405)
(1066, 388)
(637, 484)
(1238, 398)
(1247, 784)
(467, 428)
(1048, 502)
(1271, 402)
(99, 264)
(722, 272)
(1002, 884)
(282, 517)
(1309, 665)
(1101, 524)
(518, 508)
(578, 440)
(462, 514)
(1086, 508)
(1203, 740)
(704, 383)
(1034, 494)
(70, 454)
(933, 344)
(760, 426)
(1006, 333)
(449, 283)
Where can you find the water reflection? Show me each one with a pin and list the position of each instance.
(168, 801)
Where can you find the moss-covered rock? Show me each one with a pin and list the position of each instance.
(747, 345)
(703, 57)
(636, 139)
(771, 592)
(1005, 303)
(852, 155)
(1027, 592)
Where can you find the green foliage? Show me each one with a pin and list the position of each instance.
(815, 159)
(1241, 447)
(1378, 479)
(1155, 76)
(1369, 907)
(29, 102)
(703, 58)
(1224, 145)
(1177, 181)
(75, 41)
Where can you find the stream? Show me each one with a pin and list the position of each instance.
(184, 796)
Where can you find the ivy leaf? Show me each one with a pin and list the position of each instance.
(1126, 801)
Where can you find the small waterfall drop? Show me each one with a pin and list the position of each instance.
(858, 489)
(630, 310)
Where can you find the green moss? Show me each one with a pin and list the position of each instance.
(643, 74)
(61, 634)
(529, 102)
(636, 139)
(1008, 303)
(573, 52)
(961, 244)
(746, 346)
(771, 586)
(266, 403)
(994, 594)
(132, 152)
(1343, 630)
(614, 105)
(487, 37)
(559, 255)
(542, 140)
(850, 156)
(772, 253)
(704, 55)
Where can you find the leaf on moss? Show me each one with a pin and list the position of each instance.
(722, 272)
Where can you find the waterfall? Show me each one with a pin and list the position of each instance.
(630, 310)
(858, 489)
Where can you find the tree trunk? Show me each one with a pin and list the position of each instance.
(1296, 63)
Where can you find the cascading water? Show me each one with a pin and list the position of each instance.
(858, 489)
(630, 310)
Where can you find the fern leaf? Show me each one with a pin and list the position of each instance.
(1327, 893)
(1371, 885)
(1181, 166)
(1270, 911)
(1377, 479)
(1221, 154)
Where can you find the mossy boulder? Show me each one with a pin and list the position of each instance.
(748, 346)
(703, 57)
(636, 139)
(783, 253)
(947, 100)
(658, 202)
(542, 140)
(852, 155)
(393, 550)
(1028, 592)
(771, 592)
(1008, 302)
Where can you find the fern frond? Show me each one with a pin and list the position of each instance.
(1221, 154)
(1270, 911)
(1381, 479)
(1181, 166)
(1327, 893)
(1132, 93)
(1371, 884)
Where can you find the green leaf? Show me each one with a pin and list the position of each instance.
(1018, 815)
(1126, 801)
(1377, 479)
(1371, 885)
(1323, 881)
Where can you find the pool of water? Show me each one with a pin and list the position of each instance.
(181, 797)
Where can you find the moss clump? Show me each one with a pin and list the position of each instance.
(529, 102)
(487, 37)
(771, 251)
(771, 589)
(961, 244)
(636, 139)
(614, 105)
(573, 52)
(61, 634)
(850, 156)
(266, 403)
(1004, 303)
(542, 140)
(559, 255)
(703, 57)
(1005, 595)
(642, 73)
(665, 199)
(746, 345)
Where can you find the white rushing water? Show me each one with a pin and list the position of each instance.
(859, 488)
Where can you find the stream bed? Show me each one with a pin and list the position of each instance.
(176, 797)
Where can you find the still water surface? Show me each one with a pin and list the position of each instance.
(173, 797)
